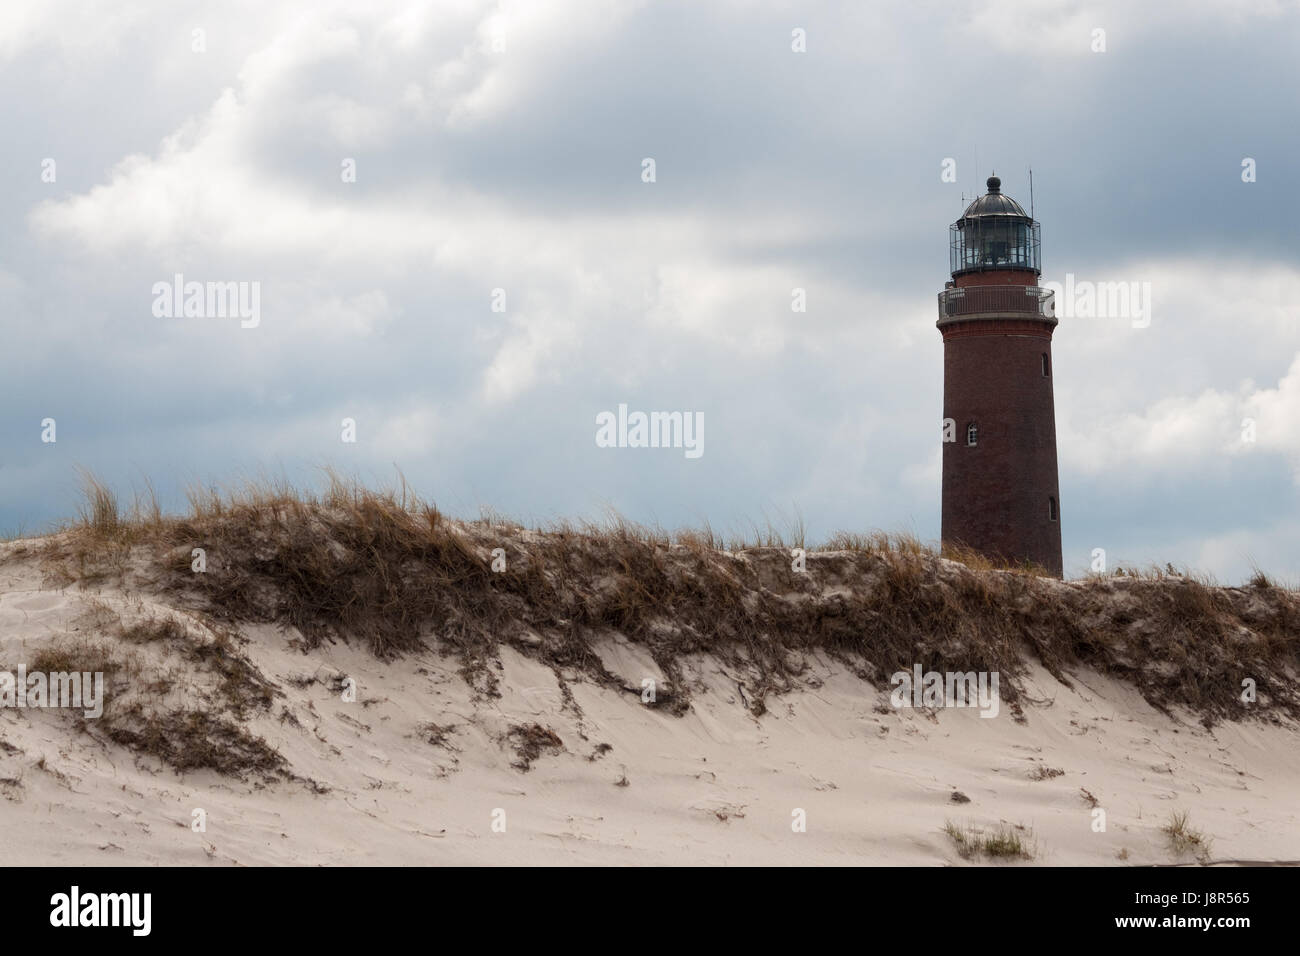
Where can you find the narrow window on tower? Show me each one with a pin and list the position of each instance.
(1051, 509)
(972, 434)
(1047, 365)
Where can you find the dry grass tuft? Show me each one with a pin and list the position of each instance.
(1184, 839)
(1003, 842)
(439, 735)
(99, 512)
(188, 740)
(153, 629)
(74, 655)
(530, 742)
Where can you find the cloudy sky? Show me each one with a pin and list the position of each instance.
(501, 146)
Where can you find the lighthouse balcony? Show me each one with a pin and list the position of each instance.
(996, 301)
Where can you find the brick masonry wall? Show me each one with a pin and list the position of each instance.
(995, 494)
(997, 277)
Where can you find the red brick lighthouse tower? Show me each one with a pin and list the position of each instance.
(1000, 492)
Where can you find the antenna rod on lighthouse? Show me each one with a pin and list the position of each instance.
(1031, 192)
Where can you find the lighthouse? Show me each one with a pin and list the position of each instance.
(1000, 494)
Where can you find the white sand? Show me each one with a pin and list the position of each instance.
(715, 786)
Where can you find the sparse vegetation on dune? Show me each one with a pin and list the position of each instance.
(530, 742)
(176, 691)
(389, 570)
(1183, 838)
(68, 656)
(1002, 842)
(196, 740)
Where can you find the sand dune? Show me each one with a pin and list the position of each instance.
(419, 768)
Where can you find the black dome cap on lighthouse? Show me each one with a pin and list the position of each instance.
(994, 204)
(994, 233)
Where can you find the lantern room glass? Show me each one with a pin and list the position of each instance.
(994, 242)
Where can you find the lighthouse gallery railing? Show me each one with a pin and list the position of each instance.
(997, 300)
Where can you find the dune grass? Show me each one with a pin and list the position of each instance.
(1184, 839)
(1002, 842)
(385, 568)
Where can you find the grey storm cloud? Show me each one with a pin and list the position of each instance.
(500, 146)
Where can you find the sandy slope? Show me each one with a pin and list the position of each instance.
(715, 786)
